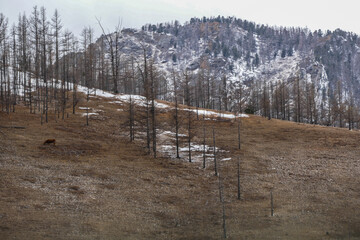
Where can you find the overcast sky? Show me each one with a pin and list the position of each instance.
(75, 14)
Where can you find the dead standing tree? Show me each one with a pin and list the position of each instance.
(215, 164)
(145, 79)
(12, 97)
(189, 133)
(3, 52)
(176, 114)
(153, 88)
(74, 71)
(238, 178)
(35, 40)
(114, 52)
(222, 201)
(23, 44)
(187, 99)
(150, 76)
(131, 119)
(85, 67)
(56, 25)
(44, 26)
(129, 108)
(204, 141)
(66, 44)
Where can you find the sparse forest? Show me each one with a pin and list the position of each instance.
(117, 110)
(42, 63)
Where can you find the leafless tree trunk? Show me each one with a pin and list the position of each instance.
(153, 110)
(189, 133)
(74, 70)
(239, 142)
(85, 70)
(146, 84)
(15, 71)
(221, 192)
(176, 116)
(30, 87)
(56, 24)
(204, 142)
(225, 93)
(44, 32)
(114, 53)
(238, 178)
(3, 30)
(298, 100)
(131, 119)
(23, 44)
(35, 29)
(215, 164)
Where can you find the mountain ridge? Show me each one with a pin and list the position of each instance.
(249, 54)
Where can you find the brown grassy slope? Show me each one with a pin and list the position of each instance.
(94, 184)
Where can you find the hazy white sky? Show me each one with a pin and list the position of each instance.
(75, 14)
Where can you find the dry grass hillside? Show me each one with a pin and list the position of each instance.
(95, 184)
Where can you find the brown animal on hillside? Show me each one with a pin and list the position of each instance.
(50, 141)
